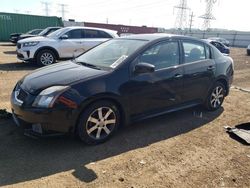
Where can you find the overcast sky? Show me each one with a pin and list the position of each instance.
(229, 14)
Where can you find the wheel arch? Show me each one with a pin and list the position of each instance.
(107, 97)
(224, 81)
(47, 48)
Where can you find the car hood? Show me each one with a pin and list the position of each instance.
(64, 73)
(36, 39)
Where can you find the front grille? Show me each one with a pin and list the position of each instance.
(18, 45)
(20, 94)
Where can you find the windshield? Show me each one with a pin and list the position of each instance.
(111, 53)
(57, 33)
(43, 32)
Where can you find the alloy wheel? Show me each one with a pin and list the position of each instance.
(47, 58)
(217, 97)
(101, 123)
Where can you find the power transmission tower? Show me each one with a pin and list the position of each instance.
(181, 18)
(191, 21)
(208, 16)
(63, 10)
(46, 7)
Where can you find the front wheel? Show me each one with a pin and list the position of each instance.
(216, 97)
(98, 122)
(45, 57)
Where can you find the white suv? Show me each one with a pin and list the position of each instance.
(64, 43)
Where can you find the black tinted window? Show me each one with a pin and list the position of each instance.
(91, 33)
(193, 52)
(162, 55)
(75, 34)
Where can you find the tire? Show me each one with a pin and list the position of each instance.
(45, 57)
(248, 52)
(98, 122)
(216, 97)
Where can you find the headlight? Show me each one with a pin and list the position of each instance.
(27, 44)
(48, 96)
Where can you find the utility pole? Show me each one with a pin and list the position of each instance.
(181, 18)
(63, 10)
(46, 7)
(191, 21)
(208, 16)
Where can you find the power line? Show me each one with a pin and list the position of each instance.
(46, 7)
(181, 17)
(63, 10)
(208, 16)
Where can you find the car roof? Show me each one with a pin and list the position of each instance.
(95, 28)
(158, 36)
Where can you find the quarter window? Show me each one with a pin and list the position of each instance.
(193, 52)
(162, 55)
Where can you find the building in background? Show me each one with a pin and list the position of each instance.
(121, 29)
(21, 23)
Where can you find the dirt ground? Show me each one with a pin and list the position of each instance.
(180, 149)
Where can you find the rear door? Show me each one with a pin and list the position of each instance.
(93, 37)
(199, 70)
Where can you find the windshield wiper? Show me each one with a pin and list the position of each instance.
(88, 65)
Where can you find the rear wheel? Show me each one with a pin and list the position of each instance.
(98, 122)
(216, 97)
(45, 57)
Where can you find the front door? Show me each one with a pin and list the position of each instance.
(153, 92)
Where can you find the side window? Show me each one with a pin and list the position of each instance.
(208, 52)
(91, 33)
(193, 52)
(162, 55)
(74, 34)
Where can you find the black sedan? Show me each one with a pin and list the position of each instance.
(14, 37)
(122, 80)
(44, 33)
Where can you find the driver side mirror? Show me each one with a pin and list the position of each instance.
(64, 37)
(144, 68)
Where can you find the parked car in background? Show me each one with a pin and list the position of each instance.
(248, 49)
(220, 46)
(44, 32)
(120, 81)
(222, 40)
(64, 43)
(14, 37)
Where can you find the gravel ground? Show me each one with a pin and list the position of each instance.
(180, 149)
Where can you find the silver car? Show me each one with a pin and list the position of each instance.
(64, 43)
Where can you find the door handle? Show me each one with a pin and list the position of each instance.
(211, 68)
(178, 75)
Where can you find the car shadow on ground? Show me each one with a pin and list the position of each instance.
(7, 44)
(18, 66)
(23, 159)
(10, 52)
